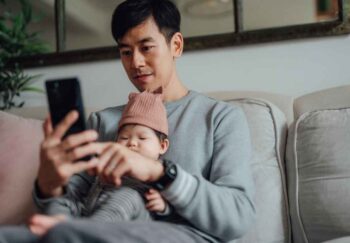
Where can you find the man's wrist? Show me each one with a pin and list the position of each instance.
(167, 177)
(159, 171)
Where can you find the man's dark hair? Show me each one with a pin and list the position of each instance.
(131, 13)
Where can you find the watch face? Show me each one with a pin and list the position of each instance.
(172, 170)
(169, 176)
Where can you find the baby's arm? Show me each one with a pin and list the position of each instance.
(156, 203)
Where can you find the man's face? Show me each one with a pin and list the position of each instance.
(147, 57)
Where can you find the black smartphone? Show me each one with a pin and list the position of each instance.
(64, 95)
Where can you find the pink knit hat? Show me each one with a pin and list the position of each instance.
(145, 109)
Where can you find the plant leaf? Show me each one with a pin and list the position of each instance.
(33, 89)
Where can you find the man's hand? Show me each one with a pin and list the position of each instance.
(155, 201)
(39, 224)
(59, 158)
(116, 161)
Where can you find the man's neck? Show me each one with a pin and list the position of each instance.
(174, 91)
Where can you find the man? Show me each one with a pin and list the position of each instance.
(205, 174)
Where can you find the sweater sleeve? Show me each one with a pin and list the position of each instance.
(71, 203)
(222, 205)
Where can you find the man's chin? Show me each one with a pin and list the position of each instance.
(140, 89)
(149, 88)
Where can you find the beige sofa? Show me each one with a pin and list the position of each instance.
(301, 164)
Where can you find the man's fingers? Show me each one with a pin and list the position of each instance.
(82, 151)
(107, 154)
(112, 164)
(80, 166)
(108, 169)
(67, 169)
(47, 126)
(120, 170)
(78, 139)
(65, 124)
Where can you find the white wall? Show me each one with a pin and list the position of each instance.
(291, 67)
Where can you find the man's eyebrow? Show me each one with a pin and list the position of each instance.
(142, 41)
(148, 39)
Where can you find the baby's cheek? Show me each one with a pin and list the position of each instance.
(122, 142)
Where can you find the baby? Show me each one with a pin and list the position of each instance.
(142, 128)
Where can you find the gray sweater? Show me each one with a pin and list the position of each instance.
(210, 143)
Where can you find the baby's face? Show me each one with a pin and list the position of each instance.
(143, 140)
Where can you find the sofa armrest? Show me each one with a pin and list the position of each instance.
(19, 161)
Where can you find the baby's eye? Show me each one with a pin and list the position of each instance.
(123, 138)
(143, 138)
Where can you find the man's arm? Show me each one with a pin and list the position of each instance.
(223, 205)
(70, 203)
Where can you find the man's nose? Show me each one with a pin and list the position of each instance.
(138, 60)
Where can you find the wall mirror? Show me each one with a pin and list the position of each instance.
(79, 30)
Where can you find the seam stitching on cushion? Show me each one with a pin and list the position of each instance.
(282, 174)
(302, 227)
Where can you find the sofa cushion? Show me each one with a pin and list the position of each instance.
(268, 129)
(318, 159)
(19, 159)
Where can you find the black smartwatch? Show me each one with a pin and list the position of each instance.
(170, 173)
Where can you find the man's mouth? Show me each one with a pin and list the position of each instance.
(142, 77)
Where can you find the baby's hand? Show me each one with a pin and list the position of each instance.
(155, 202)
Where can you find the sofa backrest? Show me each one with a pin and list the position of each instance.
(283, 102)
(41, 112)
(268, 127)
(318, 166)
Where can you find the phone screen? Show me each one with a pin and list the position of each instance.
(63, 96)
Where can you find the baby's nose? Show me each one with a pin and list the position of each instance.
(132, 143)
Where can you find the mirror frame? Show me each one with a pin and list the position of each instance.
(341, 26)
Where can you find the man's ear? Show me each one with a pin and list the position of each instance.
(177, 44)
(164, 145)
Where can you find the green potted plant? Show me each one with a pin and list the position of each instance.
(16, 41)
